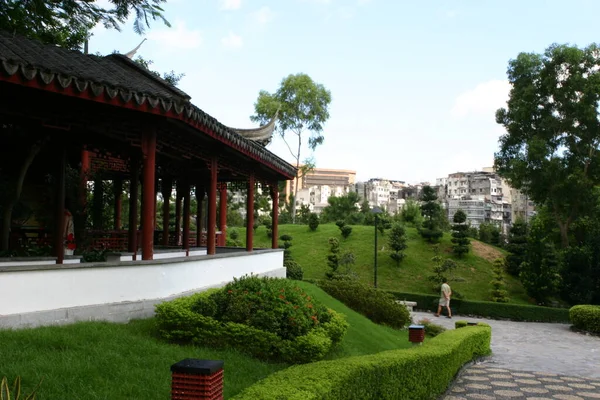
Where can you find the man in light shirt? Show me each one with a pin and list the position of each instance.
(445, 294)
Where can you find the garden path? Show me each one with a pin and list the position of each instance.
(563, 364)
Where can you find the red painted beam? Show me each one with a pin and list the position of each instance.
(199, 212)
(250, 214)
(186, 217)
(118, 194)
(223, 214)
(212, 208)
(275, 222)
(167, 187)
(133, 206)
(59, 236)
(87, 94)
(149, 154)
(178, 212)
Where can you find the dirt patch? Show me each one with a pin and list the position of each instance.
(484, 251)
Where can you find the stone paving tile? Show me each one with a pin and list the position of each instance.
(485, 381)
(535, 346)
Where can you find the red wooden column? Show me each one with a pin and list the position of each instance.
(199, 212)
(250, 214)
(118, 194)
(84, 175)
(149, 154)
(177, 212)
(186, 217)
(59, 233)
(212, 208)
(133, 205)
(155, 202)
(275, 222)
(167, 186)
(223, 213)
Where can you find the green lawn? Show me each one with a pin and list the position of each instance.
(310, 250)
(95, 360)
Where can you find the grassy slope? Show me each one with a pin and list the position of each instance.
(95, 360)
(310, 250)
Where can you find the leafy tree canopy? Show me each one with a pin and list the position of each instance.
(67, 23)
(550, 149)
(302, 106)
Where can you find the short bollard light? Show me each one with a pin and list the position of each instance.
(194, 379)
(416, 334)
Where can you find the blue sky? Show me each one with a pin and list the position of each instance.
(414, 84)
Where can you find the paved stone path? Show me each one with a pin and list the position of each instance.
(530, 361)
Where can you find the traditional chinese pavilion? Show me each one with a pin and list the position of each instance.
(114, 121)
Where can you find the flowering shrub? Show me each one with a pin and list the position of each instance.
(269, 304)
(267, 318)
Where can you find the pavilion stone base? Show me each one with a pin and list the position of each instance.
(112, 312)
(34, 261)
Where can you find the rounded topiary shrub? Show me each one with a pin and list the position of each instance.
(293, 270)
(585, 317)
(379, 306)
(268, 318)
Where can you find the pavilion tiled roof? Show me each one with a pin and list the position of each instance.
(116, 75)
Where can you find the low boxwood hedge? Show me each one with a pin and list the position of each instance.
(377, 305)
(488, 309)
(423, 372)
(585, 317)
(177, 321)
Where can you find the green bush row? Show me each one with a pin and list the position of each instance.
(423, 372)
(177, 322)
(374, 304)
(585, 317)
(463, 323)
(488, 309)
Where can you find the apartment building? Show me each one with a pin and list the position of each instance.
(315, 188)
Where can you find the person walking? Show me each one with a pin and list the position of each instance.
(445, 294)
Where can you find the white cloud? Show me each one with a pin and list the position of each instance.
(177, 36)
(230, 4)
(264, 15)
(486, 98)
(232, 40)
(451, 14)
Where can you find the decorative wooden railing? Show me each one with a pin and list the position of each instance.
(112, 240)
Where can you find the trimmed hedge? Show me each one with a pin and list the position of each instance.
(488, 309)
(463, 323)
(423, 372)
(377, 305)
(585, 317)
(178, 322)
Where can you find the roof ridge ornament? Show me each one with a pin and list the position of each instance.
(132, 52)
(263, 134)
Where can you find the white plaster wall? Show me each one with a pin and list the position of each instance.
(26, 263)
(168, 254)
(40, 290)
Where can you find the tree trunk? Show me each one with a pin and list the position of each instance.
(564, 233)
(16, 195)
(297, 181)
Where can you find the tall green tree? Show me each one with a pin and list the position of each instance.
(432, 212)
(340, 207)
(540, 272)
(459, 234)
(397, 242)
(67, 23)
(302, 106)
(499, 294)
(517, 247)
(550, 150)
